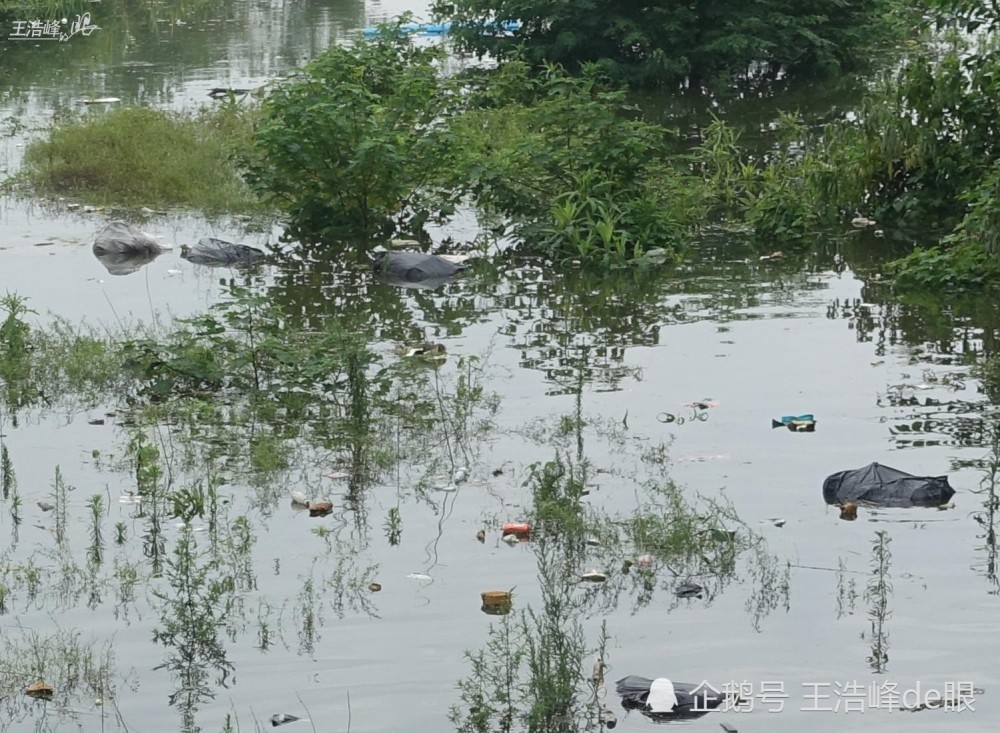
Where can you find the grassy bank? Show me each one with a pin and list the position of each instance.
(133, 156)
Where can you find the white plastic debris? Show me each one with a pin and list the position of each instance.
(645, 561)
(299, 499)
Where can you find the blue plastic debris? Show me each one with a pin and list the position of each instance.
(438, 29)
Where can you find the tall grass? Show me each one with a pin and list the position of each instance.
(134, 156)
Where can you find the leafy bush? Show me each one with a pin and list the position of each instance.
(354, 145)
(956, 269)
(567, 162)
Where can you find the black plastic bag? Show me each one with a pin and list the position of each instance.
(884, 486)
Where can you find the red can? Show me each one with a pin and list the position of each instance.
(520, 530)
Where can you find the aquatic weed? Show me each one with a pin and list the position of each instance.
(877, 595)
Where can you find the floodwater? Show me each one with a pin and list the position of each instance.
(887, 381)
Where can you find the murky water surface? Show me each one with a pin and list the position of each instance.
(759, 339)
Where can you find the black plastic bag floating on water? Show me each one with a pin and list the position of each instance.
(663, 700)
(416, 269)
(884, 486)
(212, 252)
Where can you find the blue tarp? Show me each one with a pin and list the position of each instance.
(438, 29)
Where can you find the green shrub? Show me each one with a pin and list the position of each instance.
(570, 166)
(953, 269)
(353, 147)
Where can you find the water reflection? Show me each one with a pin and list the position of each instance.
(194, 612)
(987, 517)
(164, 53)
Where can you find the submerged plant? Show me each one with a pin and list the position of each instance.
(8, 480)
(79, 671)
(877, 596)
(96, 549)
(531, 674)
(19, 389)
(195, 608)
(60, 496)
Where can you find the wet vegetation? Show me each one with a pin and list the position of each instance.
(135, 157)
(562, 162)
(267, 464)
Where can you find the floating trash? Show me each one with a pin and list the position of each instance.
(885, 486)
(645, 561)
(299, 499)
(40, 690)
(421, 348)
(860, 222)
(689, 590)
(418, 576)
(212, 252)
(337, 475)
(460, 475)
(442, 29)
(481, 535)
(496, 602)
(849, 511)
(46, 506)
(521, 530)
(802, 426)
(594, 576)
(320, 508)
(510, 539)
(703, 457)
(374, 587)
(282, 718)
(785, 420)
